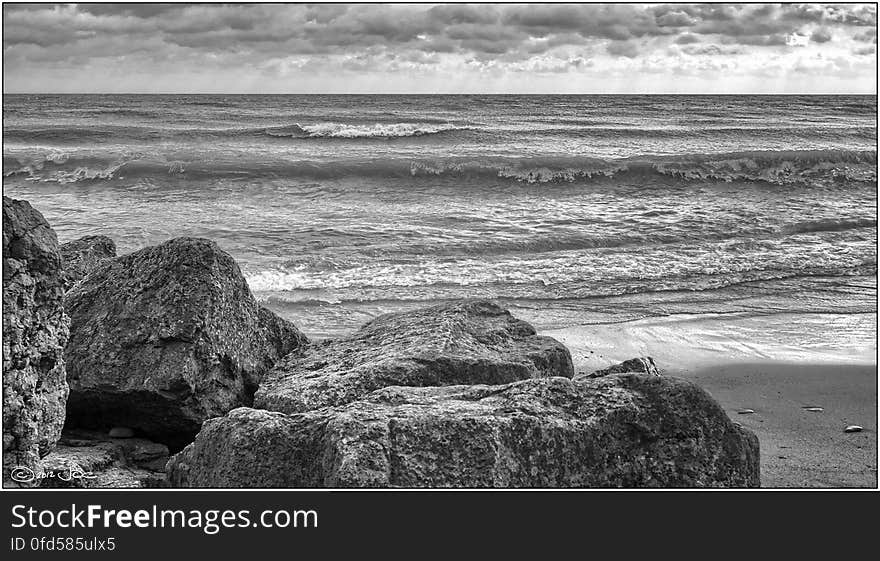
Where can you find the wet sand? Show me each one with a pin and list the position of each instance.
(800, 448)
(773, 375)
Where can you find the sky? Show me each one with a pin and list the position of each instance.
(440, 48)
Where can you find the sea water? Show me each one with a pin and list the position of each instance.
(569, 210)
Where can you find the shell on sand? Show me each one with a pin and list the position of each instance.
(853, 428)
(814, 409)
(746, 411)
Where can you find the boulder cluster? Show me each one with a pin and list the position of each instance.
(165, 371)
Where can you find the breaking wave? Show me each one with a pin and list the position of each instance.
(435, 275)
(770, 167)
(376, 130)
(818, 167)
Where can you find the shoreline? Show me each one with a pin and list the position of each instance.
(799, 448)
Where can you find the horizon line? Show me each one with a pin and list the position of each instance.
(448, 93)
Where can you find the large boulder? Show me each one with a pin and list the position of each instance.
(35, 330)
(629, 430)
(465, 342)
(82, 256)
(166, 337)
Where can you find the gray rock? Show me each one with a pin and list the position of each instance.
(466, 342)
(166, 337)
(35, 330)
(91, 459)
(643, 365)
(82, 256)
(98, 466)
(121, 432)
(629, 430)
(135, 450)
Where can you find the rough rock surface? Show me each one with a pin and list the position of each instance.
(629, 430)
(95, 461)
(466, 342)
(165, 337)
(82, 256)
(644, 365)
(35, 330)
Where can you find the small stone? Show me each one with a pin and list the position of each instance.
(639, 365)
(746, 411)
(121, 432)
(853, 428)
(76, 442)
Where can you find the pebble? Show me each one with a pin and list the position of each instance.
(121, 432)
(814, 409)
(853, 428)
(746, 411)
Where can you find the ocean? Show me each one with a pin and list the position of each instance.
(569, 210)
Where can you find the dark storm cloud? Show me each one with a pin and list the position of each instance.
(137, 10)
(356, 37)
(492, 29)
(462, 13)
(623, 48)
(675, 19)
(588, 20)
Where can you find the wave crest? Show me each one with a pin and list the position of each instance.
(809, 168)
(376, 130)
(774, 167)
(770, 167)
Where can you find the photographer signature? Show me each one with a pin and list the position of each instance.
(23, 474)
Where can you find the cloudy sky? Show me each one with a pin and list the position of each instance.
(586, 48)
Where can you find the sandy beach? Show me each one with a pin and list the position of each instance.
(777, 366)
